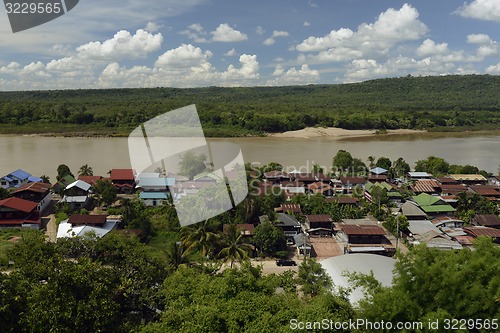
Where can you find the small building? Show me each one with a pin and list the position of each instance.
(416, 175)
(392, 192)
(123, 180)
(412, 211)
(17, 178)
(91, 179)
(470, 179)
(77, 195)
(487, 220)
(246, 229)
(36, 192)
(491, 192)
(16, 212)
(350, 183)
(432, 205)
(362, 238)
(428, 186)
(62, 183)
(153, 199)
(477, 231)
(343, 201)
(80, 225)
(320, 188)
(288, 224)
(319, 225)
(276, 176)
(303, 244)
(309, 178)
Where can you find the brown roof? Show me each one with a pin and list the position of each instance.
(87, 219)
(485, 190)
(488, 220)
(382, 178)
(319, 218)
(350, 229)
(276, 174)
(294, 208)
(447, 180)
(34, 187)
(245, 228)
(453, 188)
(352, 180)
(19, 204)
(483, 231)
(426, 186)
(122, 174)
(311, 177)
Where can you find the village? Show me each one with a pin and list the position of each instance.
(320, 215)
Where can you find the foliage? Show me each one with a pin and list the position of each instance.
(433, 165)
(269, 239)
(431, 283)
(85, 170)
(105, 191)
(399, 168)
(63, 170)
(443, 103)
(393, 224)
(384, 163)
(202, 237)
(234, 248)
(469, 204)
(191, 164)
(313, 278)
(4, 193)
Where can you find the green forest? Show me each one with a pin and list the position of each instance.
(445, 103)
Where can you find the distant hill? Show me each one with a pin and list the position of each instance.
(445, 103)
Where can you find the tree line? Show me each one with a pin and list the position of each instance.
(444, 103)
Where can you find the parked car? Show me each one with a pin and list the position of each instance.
(285, 262)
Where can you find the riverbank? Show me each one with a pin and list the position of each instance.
(314, 132)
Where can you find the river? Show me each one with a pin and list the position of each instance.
(42, 155)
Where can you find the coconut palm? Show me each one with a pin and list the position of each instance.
(177, 256)
(201, 236)
(235, 248)
(85, 170)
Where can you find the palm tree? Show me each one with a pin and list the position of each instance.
(201, 236)
(177, 256)
(45, 179)
(85, 170)
(235, 249)
(371, 159)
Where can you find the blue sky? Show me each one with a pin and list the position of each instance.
(192, 43)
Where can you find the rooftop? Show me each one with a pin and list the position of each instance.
(18, 204)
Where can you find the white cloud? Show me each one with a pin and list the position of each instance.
(304, 75)
(494, 69)
(429, 47)
(123, 44)
(153, 26)
(370, 40)
(231, 53)
(224, 33)
(479, 39)
(488, 10)
(249, 69)
(311, 3)
(185, 55)
(259, 30)
(276, 33)
(306, 24)
(195, 32)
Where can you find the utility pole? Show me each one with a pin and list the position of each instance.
(397, 232)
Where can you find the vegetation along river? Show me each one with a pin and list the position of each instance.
(42, 155)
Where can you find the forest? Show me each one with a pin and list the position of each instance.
(445, 103)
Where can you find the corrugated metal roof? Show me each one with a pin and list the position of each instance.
(153, 195)
(152, 182)
(488, 220)
(34, 187)
(87, 219)
(319, 218)
(461, 177)
(19, 204)
(80, 184)
(362, 229)
(20, 174)
(483, 231)
(122, 174)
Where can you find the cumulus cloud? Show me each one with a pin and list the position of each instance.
(370, 40)
(153, 26)
(306, 24)
(185, 55)
(249, 69)
(123, 44)
(479, 39)
(304, 75)
(231, 53)
(488, 10)
(271, 40)
(196, 33)
(225, 33)
(429, 47)
(259, 30)
(494, 69)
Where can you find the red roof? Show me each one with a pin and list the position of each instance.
(426, 186)
(294, 208)
(19, 204)
(350, 229)
(489, 220)
(90, 179)
(483, 231)
(87, 219)
(34, 187)
(122, 174)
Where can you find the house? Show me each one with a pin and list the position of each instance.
(447, 181)
(309, 178)
(412, 211)
(36, 192)
(77, 195)
(469, 179)
(350, 183)
(428, 186)
(379, 171)
(447, 222)
(90, 179)
(319, 225)
(207, 176)
(276, 177)
(494, 180)
(79, 225)
(160, 184)
(488, 191)
(438, 240)
(288, 224)
(303, 244)
(342, 201)
(123, 180)
(412, 176)
(246, 229)
(153, 199)
(17, 178)
(16, 212)
(62, 183)
(191, 188)
(378, 175)
(320, 188)
(365, 238)
(476, 231)
(432, 205)
(452, 189)
(486, 220)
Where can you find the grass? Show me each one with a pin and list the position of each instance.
(6, 243)
(158, 243)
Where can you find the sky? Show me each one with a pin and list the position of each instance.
(198, 43)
